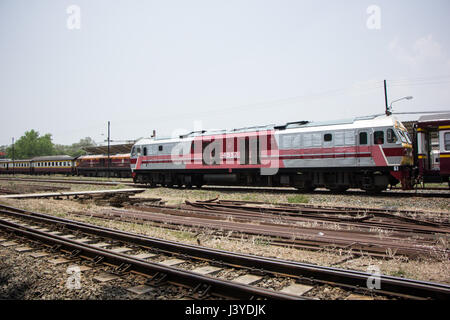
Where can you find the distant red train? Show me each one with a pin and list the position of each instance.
(96, 165)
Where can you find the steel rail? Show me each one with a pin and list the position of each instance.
(393, 286)
(71, 181)
(260, 189)
(403, 194)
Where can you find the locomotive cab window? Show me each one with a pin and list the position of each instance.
(378, 137)
(390, 136)
(145, 151)
(160, 148)
(328, 137)
(363, 138)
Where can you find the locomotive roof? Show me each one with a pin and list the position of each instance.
(357, 122)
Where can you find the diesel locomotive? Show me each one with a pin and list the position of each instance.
(369, 153)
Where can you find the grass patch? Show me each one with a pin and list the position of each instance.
(298, 198)
(399, 273)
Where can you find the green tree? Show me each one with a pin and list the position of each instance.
(32, 145)
(76, 149)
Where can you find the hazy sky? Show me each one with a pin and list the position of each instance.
(165, 65)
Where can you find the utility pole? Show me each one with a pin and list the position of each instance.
(108, 145)
(388, 112)
(13, 155)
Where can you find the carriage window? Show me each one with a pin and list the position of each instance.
(328, 137)
(363, 138)
(390, 136)
(447, 141)
(378, 137)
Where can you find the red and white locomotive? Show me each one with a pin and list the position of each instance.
(369, 153)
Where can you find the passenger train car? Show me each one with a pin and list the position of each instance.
(367, 152)
(39, 165)
(95, 165)
(432, 158)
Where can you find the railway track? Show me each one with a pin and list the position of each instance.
(71, 181)
(88, 241)
(314, 236)
(328, 212)
(392, 193)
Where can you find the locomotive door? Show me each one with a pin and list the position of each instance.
(362, 145)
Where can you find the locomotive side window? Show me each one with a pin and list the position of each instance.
(328, 137)
(160, 148)
(363, 138)
(390, 136)
(378, 137)
(447, 141)
(145, 151)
